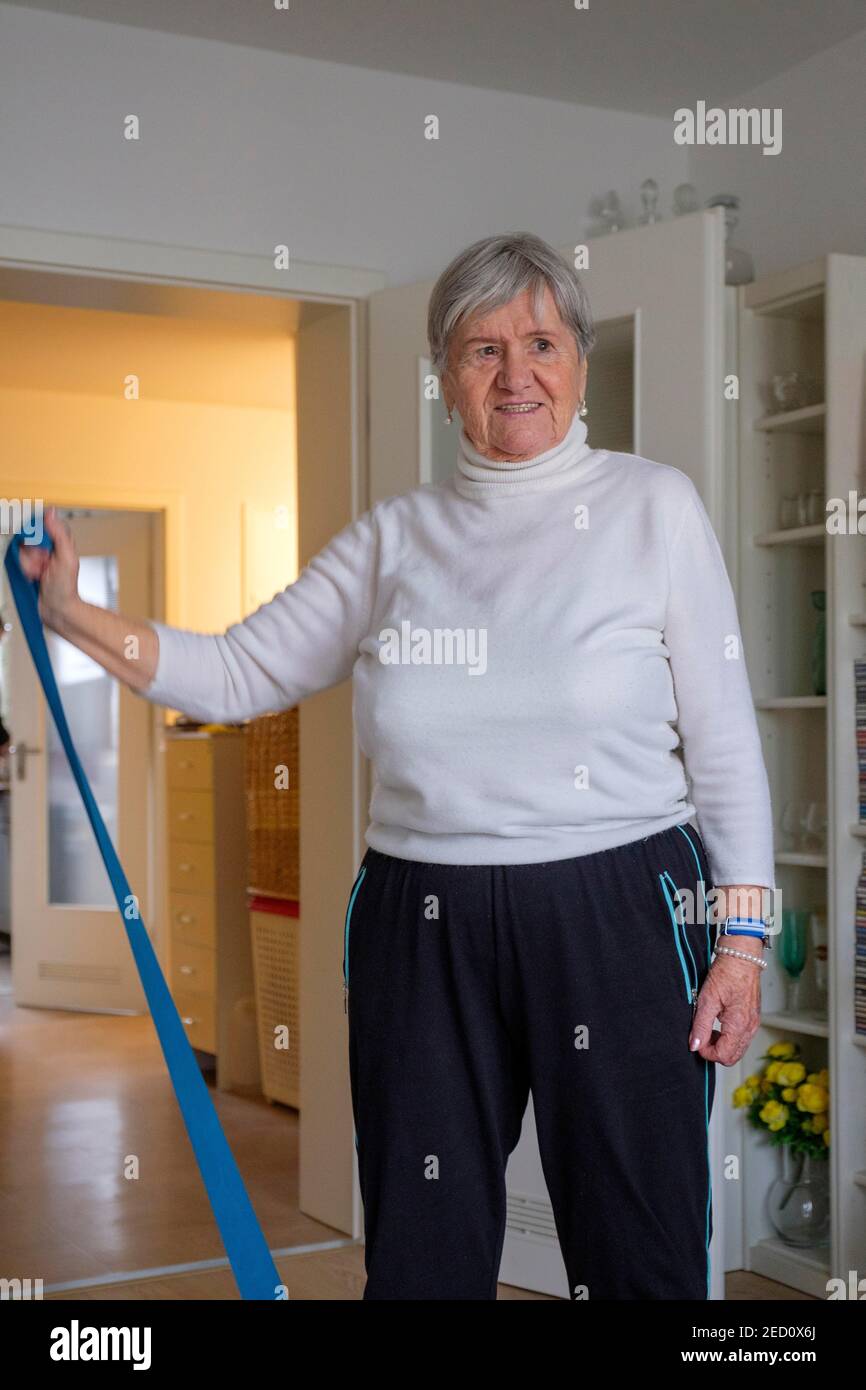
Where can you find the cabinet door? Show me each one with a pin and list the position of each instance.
(655, 387)
(660, 289)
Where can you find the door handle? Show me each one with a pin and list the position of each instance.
(20, 751)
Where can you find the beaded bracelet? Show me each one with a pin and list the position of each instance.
(743, 955)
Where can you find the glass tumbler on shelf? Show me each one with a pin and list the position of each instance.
(792, 953)
(788, 512)
(792, 390)
(790, 825)
(815, 827)
(816, 510)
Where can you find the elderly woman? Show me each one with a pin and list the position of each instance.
(532, 643)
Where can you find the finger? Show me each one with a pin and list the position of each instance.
(707, 1049)
(725, 1048)
(33, 560)
(705, 1017)
(60, 533)
(37, 561)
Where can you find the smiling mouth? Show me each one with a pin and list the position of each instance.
(522, 408)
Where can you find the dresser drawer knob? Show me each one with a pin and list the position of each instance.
(187, 969)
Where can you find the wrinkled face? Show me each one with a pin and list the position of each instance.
(515, 377)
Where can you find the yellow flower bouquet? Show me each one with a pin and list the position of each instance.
(788, 1103)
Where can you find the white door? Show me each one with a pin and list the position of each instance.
(655, 387)
(69, 946)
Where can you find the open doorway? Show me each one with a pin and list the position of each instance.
(203, 444)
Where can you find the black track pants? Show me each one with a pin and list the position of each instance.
(469, 986)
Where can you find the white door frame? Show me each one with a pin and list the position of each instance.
(157, 263)
(164, 263)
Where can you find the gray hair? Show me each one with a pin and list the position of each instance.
(493, 271)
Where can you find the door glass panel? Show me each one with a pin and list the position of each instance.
(91, 699)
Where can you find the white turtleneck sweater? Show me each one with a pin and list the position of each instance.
(535, 649)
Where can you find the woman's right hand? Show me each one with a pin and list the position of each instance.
(56, 570)
(101, 633)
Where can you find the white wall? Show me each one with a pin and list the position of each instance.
(242, 149)
(809, 199)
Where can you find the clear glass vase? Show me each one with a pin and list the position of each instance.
(799, 1200)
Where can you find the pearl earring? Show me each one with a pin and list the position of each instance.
(583, 409)
(449, 417)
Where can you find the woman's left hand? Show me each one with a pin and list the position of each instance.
(731, 993)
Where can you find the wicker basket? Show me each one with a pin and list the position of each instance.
(275, 931)
(273, 814)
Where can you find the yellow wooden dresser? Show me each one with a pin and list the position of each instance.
(211, 973)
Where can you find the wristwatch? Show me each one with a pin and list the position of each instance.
(747, 926)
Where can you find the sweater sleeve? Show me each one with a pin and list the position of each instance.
(716, 719)
(303, 640)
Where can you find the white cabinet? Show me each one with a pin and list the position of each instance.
(811, 319)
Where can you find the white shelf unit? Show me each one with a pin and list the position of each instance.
(812, 318)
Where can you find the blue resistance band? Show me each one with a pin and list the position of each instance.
(245, 1245)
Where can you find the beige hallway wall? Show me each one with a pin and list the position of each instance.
(213, 433)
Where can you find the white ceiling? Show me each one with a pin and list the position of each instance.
(632, 55)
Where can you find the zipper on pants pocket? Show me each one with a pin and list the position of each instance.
(358, 881)
(681, 936)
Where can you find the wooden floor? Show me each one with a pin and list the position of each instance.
(80, 1092)
(335, 1275)
(339, 1275)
